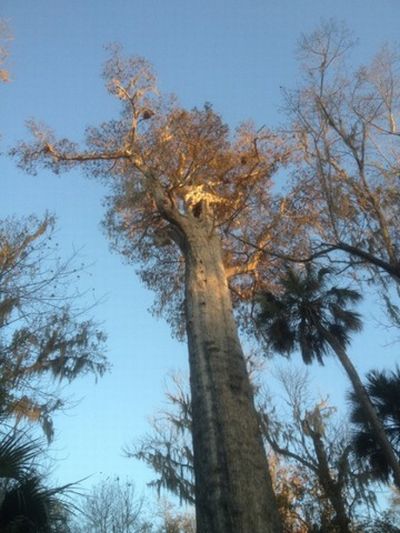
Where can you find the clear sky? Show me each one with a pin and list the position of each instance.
(235, 54)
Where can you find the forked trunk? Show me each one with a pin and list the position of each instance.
(376, 424)
(233, 487)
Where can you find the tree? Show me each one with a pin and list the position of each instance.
(331, 490)
(345, 122)
(112, 506)
(40, 337)
(183, 194)
(41, 330)
(383, 388)
(168, 448)
(317, 481)
(173, 521)
(42, 334)
(313, 317)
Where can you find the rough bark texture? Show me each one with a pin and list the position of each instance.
(233, 486)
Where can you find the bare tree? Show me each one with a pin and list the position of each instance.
(112, 506)
(43, 330)
(346, 129)
(306, 434)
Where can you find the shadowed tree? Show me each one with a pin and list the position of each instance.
(313, 317)
(383, 389)
(185, 197)
(26, 504)
(42, 334)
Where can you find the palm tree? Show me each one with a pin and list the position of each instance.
(26, 505)
(384, 391)
(313, 316)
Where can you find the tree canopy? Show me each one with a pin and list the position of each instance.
(158, 158)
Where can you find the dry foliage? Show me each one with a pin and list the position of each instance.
(164, 165)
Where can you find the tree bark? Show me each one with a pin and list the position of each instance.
(362, 394)
(332, 488)
(233, 486)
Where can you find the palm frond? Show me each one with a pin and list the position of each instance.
(366, 448)
(305, 309)
(383, 389)
(344, 295)
(340, 332)
(27, 505)
(16, 455)
(280, 336)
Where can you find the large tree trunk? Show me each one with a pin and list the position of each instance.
(233, 487)
(376, 424)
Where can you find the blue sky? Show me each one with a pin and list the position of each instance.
(235, 54)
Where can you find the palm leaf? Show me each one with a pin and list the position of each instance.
(16, 455)
(304, 311)
(26, 505)
(383, 389)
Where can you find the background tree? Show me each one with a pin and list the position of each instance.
(384, 391)
(173, 521)
(168, 449)
(183, 192)
(314, 317)
(334, 491)
(42, 334)
(315, 475)
(346, 125)
(111, 506)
